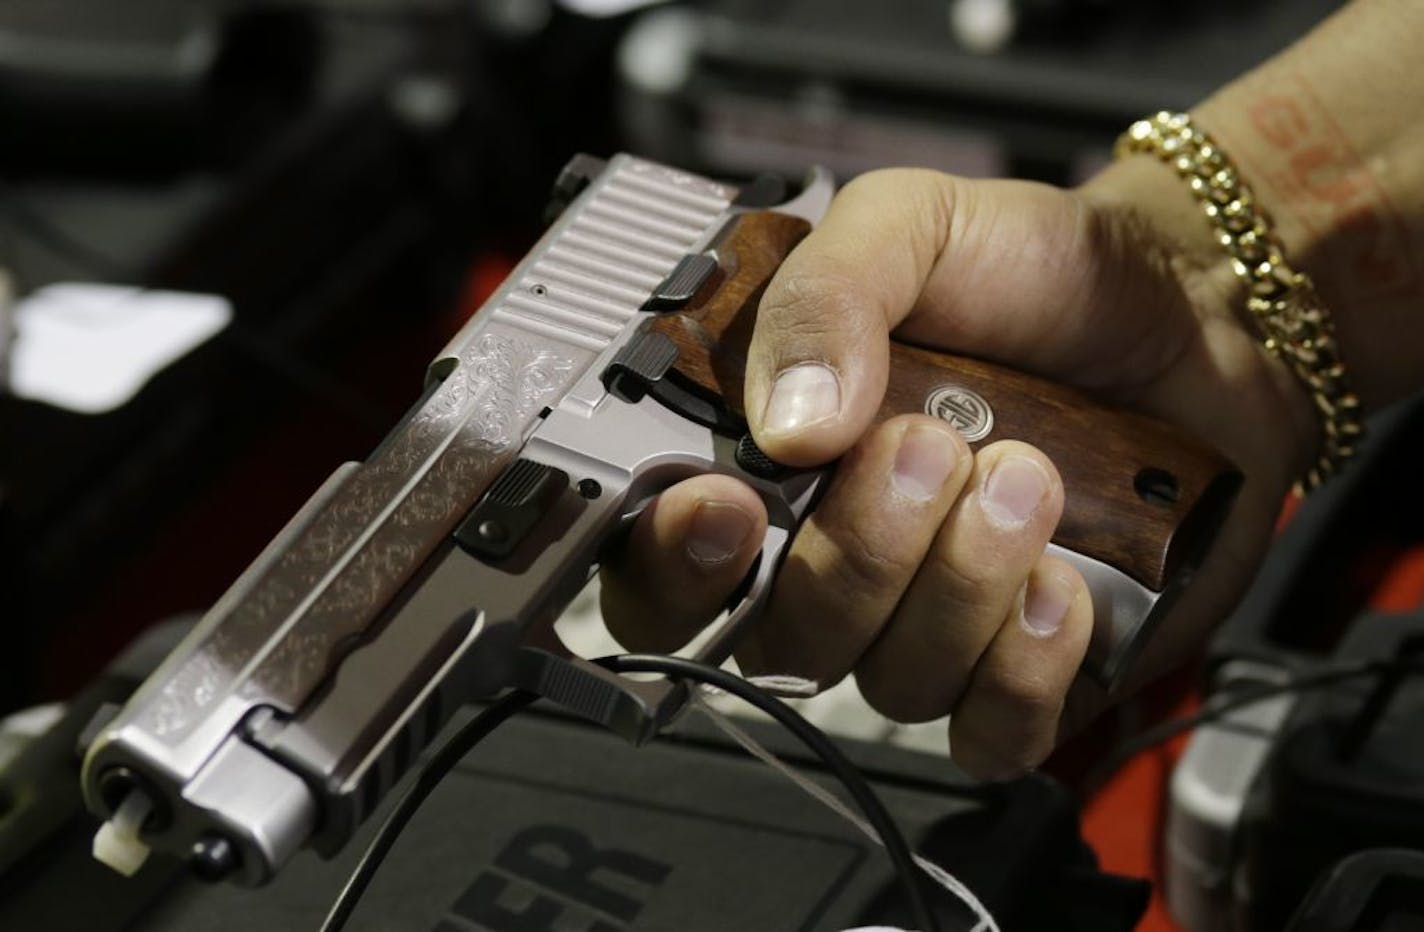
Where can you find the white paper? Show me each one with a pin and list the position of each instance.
(90, 348)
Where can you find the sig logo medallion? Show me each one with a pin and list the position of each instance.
(966, 411)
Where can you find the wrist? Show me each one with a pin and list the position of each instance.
(1233, 393)
(1150, 190)
(1345, 194)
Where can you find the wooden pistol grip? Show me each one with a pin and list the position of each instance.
(1140, 495)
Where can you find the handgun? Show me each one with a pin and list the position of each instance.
(608, 366)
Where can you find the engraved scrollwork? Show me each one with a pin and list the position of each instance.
(192, 687)
(357, 551)
(508, 381)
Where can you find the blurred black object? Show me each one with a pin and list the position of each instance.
(991, 26)
(1342, 769)
(1334, 553)
(746, 85)
(40, 804)
(149, 86)
(1347, 774)
(542, 83)
(1381, 890)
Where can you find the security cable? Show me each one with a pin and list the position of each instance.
(464, 740)
(1223, 703)
(817, 743)
(426, 779)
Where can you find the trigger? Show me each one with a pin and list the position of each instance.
(754, 462)
(744, 588)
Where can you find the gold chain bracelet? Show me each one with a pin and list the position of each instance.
(1282, 303)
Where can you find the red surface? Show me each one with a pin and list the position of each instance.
(1124, 819)
(1402, 589)
(486, 274)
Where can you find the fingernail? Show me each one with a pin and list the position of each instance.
(1013, 491)
(1046, 604)
(802, 395)
(717, 532)
(924, 461)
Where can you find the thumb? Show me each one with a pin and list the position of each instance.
(817, 365)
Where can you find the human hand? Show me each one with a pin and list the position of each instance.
(922, 571)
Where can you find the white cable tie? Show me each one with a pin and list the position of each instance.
(117, 842)
(784, 684)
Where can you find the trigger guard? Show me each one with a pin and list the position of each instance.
(639, 709)
(754, 590)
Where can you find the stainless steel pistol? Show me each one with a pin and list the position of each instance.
(607, 367)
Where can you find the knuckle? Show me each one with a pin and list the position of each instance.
(868, 563)
(1057, 566)
(925, 203)
(991, 755)
(903, 182)
(870, 181)
(812, 300)
(880, 183)
(874, 182)
(967, 584)
(1026, 696)
(898, 698)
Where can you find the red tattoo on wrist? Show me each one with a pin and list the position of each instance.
(1332, 192)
